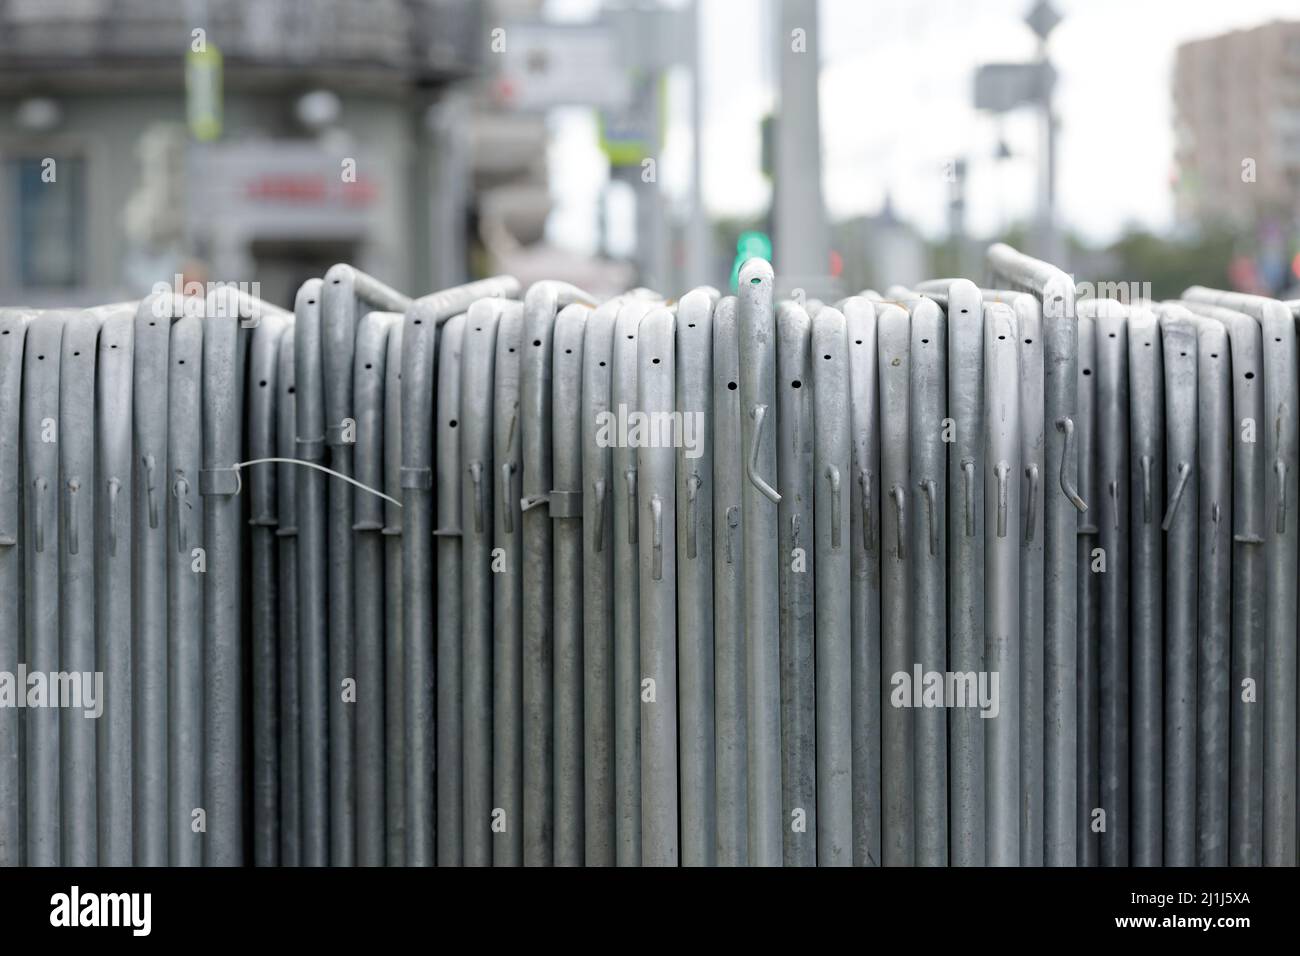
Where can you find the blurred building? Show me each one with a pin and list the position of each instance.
(1237, 126)
(344, 132)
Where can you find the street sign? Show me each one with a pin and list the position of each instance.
(1000, 87)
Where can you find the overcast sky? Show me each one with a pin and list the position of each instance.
(896, 105)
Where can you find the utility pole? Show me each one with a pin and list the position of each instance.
(699, 256)
(1043, 19)
(802, 246)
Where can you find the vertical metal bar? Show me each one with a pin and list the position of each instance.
(40, 418)
(369, 372)
(627, 614)
(185, 523)
(1280, 453)
(1245, 798)
(1249, 614)
(223, 658)
(264, 593)
(966, 475)
(1033, 473)
(113, 582)
(794, 457)
(477, 507)
(1089, 596)
(834, 655)
(1055, 291)
(864, 538)
(1001, 603)
(1146, 497)
(77, 567)
(344, 290)
(507, 603)
(447, 577)
(566, 513)
(728, 595)
(541, 304)
(151, 557)
(1181, 545)
(1113, 536)
(897, 651)
(1214, 603)
(759, 516)
(419, 358)
(313, 687)
(394, 629)
(657, 546)
(286, 533)
(597, 588)
(695, 516)
(928, 406)
(13, 334)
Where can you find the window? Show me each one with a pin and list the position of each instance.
(48, 225)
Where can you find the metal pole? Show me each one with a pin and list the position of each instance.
(928, 406)
(1181, 543)
(1279, 689)
(541, 304)
(1245, 800)
(1055, 291)
(1032, 476)
(344, 290)
(1089, 598)
(566, 512)
(286, 533)
(264, 593)
(419, 362)
(759, 517)
(507, 602)
(864, 526)
(1114, 606)
(223, 652)
(477, 509)
(185, 523)
(834, 656)
(627, 583)
(598, 692)
(114, 583)
(794, 458)
(369, 373)
(693, 362)
(657, 550)
(729, 660)
(966, 471)
(447, 578)
(897, 652)
(394, 629)
(1001, 564)
(1146, 496)
(13, 334)
(1214, 602)
(41, 480)
(77, 567)
(313, 678)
